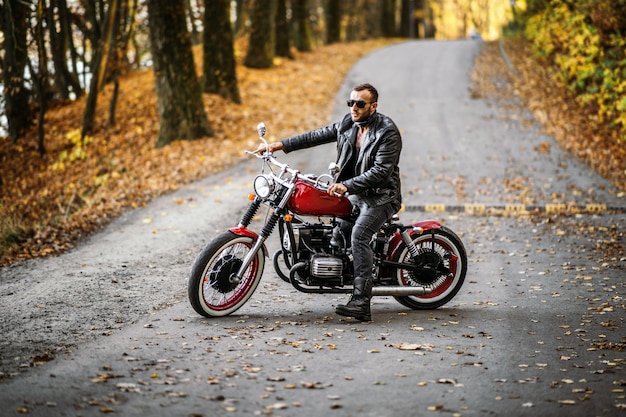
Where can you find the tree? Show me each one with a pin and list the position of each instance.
(98, 68)
(179, 96)
(40, 75)
(333, 24)
(14, 26)
(371, 16)
(62, 42)
(303, 38)
(124, 28)
(283, 36)
(242, 12)
(388, 18)
(193, 21)
(219, 74)
(261, 49)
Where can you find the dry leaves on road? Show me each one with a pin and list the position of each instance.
(551, 105)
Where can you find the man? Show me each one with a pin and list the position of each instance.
(368, 153)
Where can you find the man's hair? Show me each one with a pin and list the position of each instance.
(368, 87)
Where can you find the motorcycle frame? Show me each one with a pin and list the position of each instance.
(287, 179)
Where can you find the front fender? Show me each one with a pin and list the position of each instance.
(243, 231)
(396, 239)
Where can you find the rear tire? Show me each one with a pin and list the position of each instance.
(211, 292)
(443, 288)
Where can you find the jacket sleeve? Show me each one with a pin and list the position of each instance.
(316, 137)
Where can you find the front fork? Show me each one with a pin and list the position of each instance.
(260, 241)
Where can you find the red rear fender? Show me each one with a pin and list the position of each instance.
(427, 224)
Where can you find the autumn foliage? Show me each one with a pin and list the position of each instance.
(49, 203)
(584, 47)
(551, 104)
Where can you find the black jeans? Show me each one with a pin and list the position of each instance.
(368, 222)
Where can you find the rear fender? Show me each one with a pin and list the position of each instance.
(396, 239)
(243, 231)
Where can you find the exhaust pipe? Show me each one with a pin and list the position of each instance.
(400, 291)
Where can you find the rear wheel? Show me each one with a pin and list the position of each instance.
(211, 288)
(442, 265)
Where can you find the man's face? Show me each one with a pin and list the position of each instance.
(361, 114)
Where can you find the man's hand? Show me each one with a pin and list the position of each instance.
(272, 147)
(337, 189)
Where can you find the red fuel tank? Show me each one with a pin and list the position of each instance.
(308, 200)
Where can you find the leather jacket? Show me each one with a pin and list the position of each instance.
(374, 174)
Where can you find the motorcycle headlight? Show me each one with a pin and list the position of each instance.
(263, 186)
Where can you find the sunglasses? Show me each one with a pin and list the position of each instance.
(359, 103)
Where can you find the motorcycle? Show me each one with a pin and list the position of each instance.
(422, 265)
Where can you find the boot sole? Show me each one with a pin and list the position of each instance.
(348, 313)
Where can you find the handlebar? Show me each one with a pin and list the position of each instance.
(269, 158)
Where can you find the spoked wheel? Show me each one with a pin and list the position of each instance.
(442, 265)
(212, 289)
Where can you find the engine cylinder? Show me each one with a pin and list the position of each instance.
(326, 266)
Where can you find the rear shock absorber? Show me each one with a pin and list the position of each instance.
(406, 238)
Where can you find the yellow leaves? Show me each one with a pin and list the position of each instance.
(591, 67)
(409, 346)
(78, 151)
(100, 378)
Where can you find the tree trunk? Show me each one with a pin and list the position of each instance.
(16, 95)
(333, 25)
(388, 18)
(68, 46)
(195, 32)
(303, 40)
(261, 48)
(405, 18)
(180, 105)
(115, 61)
(220, 75)
(371, 20)
(354, 27)
(60, 37)
(283, 35)
(98, 69)
(242, 10)
(40, 77)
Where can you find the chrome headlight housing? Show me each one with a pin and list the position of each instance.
(263, 186)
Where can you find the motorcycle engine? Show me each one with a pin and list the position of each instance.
(313, 242)
(326, 266)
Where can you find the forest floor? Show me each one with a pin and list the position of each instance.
(48, 204)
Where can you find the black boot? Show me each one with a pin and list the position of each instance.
(359, 304)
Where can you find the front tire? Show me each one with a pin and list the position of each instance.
(210, 289)
(445, 250)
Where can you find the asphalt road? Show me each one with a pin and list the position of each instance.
(536, 329)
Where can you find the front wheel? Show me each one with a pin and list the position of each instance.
(211, 288)
(442, 265)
